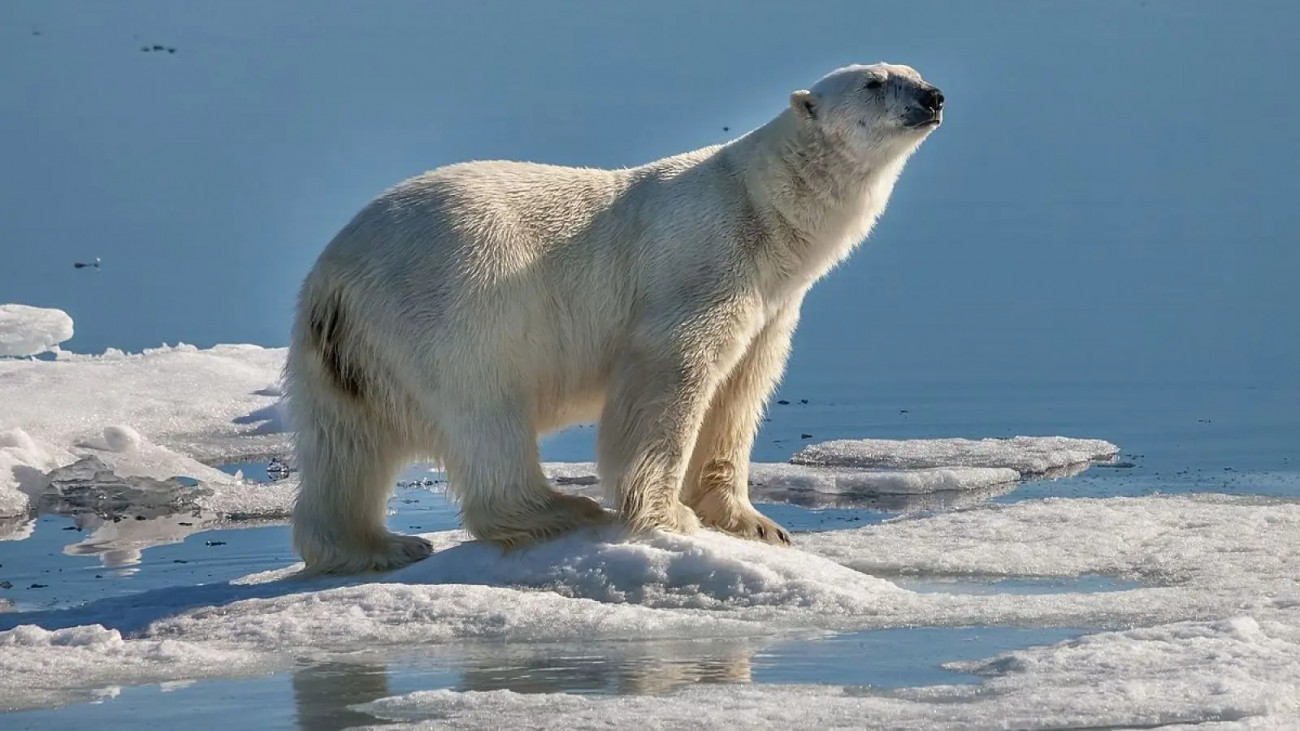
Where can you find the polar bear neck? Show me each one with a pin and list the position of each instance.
(806, 187)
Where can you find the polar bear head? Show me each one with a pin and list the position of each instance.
(875, 112)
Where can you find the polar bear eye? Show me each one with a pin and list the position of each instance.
(875, 84)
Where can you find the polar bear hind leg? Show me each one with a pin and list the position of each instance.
(349, 447)
(348, 463)
(489, 449)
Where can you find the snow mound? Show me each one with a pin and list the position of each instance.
(120, 438)
(1026, 455)
(26, 330)
(42, 668)
(596, 583)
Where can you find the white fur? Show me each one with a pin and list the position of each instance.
(471, 308)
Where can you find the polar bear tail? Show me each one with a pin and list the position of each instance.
(325, 334)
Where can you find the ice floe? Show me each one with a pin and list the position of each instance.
(895, 474)
(43, 668)
(1026, 455)
(26, 330)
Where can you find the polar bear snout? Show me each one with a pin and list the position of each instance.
(928, 111)
(932, 99)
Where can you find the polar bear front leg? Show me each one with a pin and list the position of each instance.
(717, 482)
(659, 393)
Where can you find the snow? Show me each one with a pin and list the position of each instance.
(596, 583)
(26, 330)
(219, 404)
(1193, 558)
(1026, 455)
(23, 468)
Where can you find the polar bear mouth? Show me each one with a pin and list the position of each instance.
(927, 122)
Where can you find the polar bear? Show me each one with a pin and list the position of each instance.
(467, 310)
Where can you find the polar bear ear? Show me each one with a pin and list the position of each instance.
(804, 103)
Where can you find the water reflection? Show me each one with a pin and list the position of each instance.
(323, 694)
(119, 542)
(621, 668)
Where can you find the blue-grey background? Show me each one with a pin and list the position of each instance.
(1111, 197)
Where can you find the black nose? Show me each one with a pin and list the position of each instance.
(932, 99)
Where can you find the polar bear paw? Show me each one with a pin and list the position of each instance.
(385, 552)
(754, 526)
(740, 520)
(402, 551)
(514, 528)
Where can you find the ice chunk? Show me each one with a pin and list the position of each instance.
(571, 473)
(1026, 455)
(42, 668)
(88, 485)
(783, 479)
(249, 500)
(26, 330)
